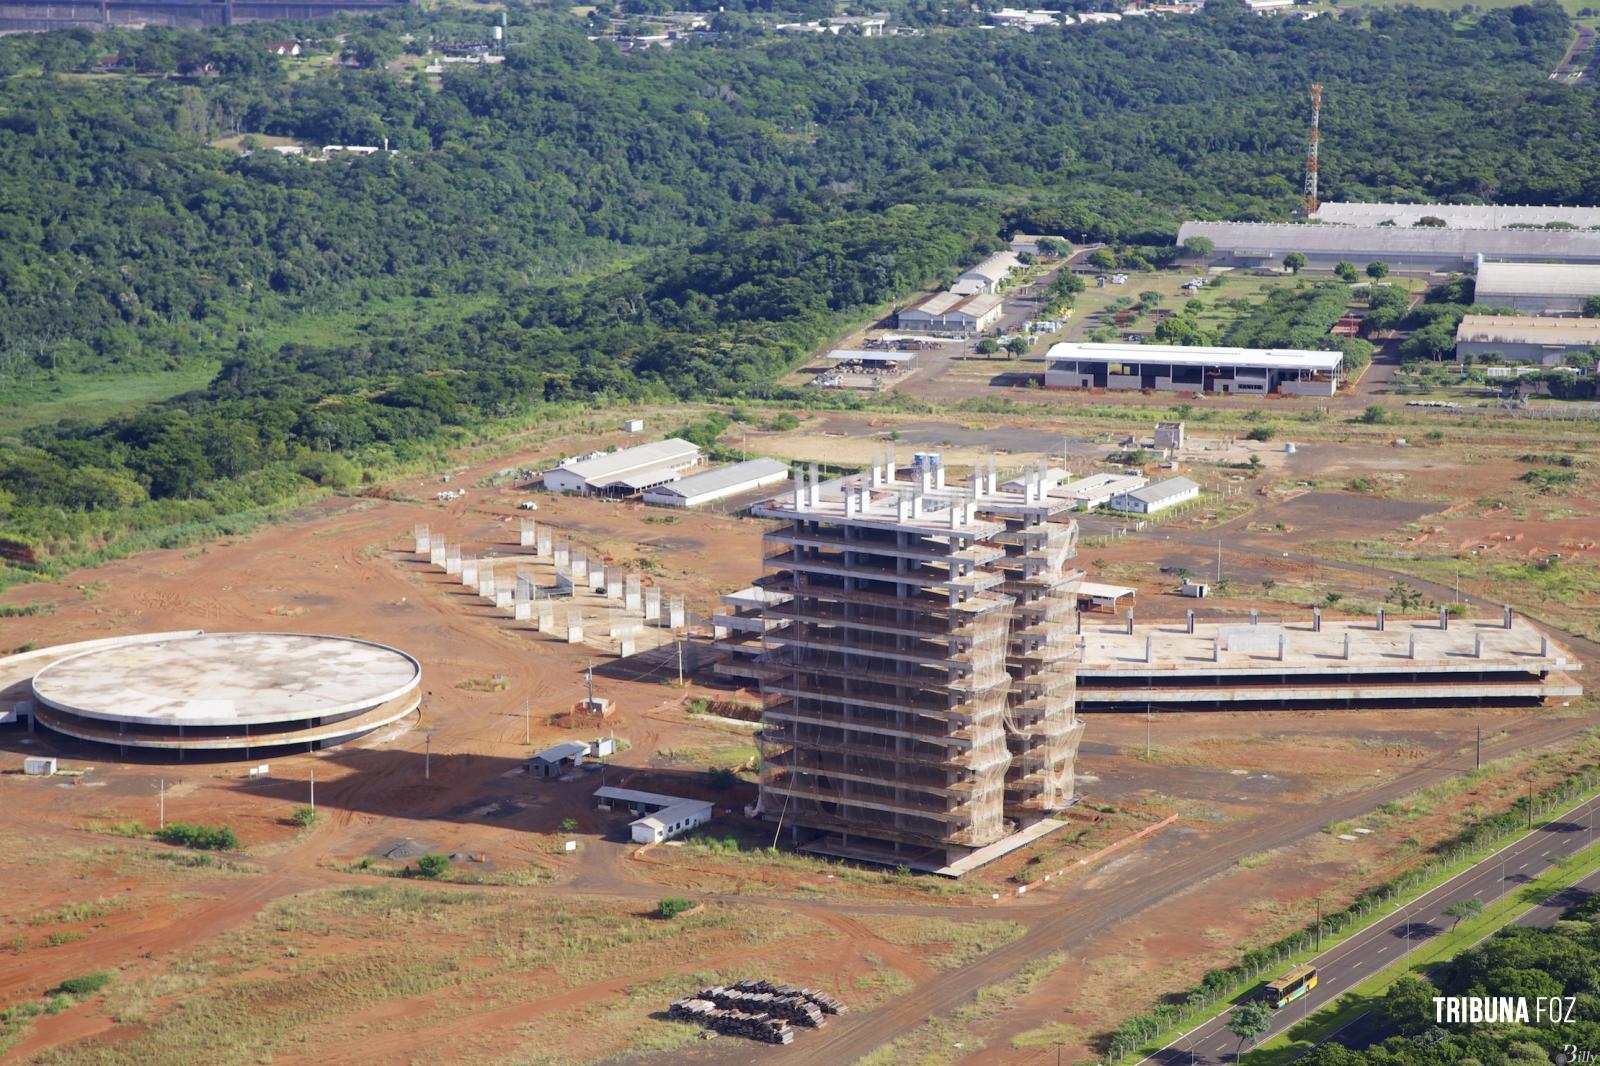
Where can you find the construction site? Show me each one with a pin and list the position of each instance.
(884, 672)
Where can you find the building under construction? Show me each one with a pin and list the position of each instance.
(917, 667)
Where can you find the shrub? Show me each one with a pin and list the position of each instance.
(199, 837)
(672, 906)
(723, 778)
(1260, 433)
(569, 825)
(1376, 415)
(304, 816)
(433, 867)
(88, 984)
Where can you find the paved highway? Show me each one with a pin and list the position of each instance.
(1344, 966)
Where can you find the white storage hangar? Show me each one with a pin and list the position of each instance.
(717, 484)
(1524, 338)
(988, 275)
(1457, 216)
(1540, 288)
(1096, 490)
(949, 312)
(1178, 368)
(663, 817)
(1156, 497)
(1264, 244)
(627, 471)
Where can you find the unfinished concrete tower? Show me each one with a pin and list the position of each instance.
(917, 688)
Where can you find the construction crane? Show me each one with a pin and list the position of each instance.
(1311, 150)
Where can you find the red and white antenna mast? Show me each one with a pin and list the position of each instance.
(1311, 149)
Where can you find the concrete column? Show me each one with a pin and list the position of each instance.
(580, 566)
(815, 495)
(1347, 645)
(525, 534)
(502, 599)
(522, 611)
(799, 490)
(563, 555)
(574, 627)
(613, 584)
(1477, 645)
(1079, 619)
(1412, 653)
(1252, 616)
(419, 537)
(652, 604)
(888, 464)
(1544, 644)
(675, 613)
(1444, 618)
(1130, 621)
(1216, 649)
(547, 616)
(1188, 621)
(1505, 620)
(469, 571)
(452, 559)
(597, 579)
(1380, 619)
(1283, 647)
(436, 551)
(1149, 648)
(1316, 619)
(541, 546)
(630, 593)
(625, 647)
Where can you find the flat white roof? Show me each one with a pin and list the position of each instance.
(728, 478)
(613, 467)
(1162, 490)
(633, 795)
(1097, 484)
(570, 749)
(1180, 355)
(667, 815)
(1526, 329)
(995, 267)
(1112, 592)
(1457, 216)
(1539, 279)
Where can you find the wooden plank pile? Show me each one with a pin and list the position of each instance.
(759, 1010)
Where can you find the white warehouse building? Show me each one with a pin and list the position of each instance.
(950, 312)
(1178, 368)
(1538, 288)
(1525, 338)
(627, 471)
(1156, 497)
(988, 275)
(712, 485)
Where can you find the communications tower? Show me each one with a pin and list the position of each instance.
(1311, 149)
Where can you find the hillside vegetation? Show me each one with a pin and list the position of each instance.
(580, 226)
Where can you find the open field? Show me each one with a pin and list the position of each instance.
(1251, 795)
(93, 396)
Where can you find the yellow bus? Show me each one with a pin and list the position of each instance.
(1290, 987)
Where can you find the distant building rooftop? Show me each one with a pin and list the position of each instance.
(1527, 329)
(1538, 279)
(1182, 355)
(1457, 216)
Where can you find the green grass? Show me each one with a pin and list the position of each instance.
(1369, 994)
(93, 396)
(323, 327)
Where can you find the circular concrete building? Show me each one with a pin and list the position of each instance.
(226, 693)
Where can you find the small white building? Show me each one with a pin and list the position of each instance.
(1157, 497)
(633, 425)
(39, 766)
(1027, 21)
(662, 817)
(1096, 490)
(627, 471)
(712, 485)
(988, 275)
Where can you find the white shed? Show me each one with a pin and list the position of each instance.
(670, 821)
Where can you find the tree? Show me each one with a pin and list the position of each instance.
(1261, 433)
(569, 825)
(1591, 307)
(1464, 908)
(1294, 262)
(1104, 258)
(1376, 415)
(432, 867)
(1403, 596)
(1347, 272)
(1149, 299)
(1250, 1022)
(672, 906)
(304, 817)
(1017, 346)
(1200, 247)
(1377, 270)
(1430, 222)
(1408, 1005)
(988, 346)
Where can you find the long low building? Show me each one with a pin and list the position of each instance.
(1264, 244)
(950, 312)
(1096, 490)
(1157, 497)
(1541, 288)
(713, 485)
(1457, 216)
(627, 471)
(1321, 665)
(1177, 368)
(1525, 339)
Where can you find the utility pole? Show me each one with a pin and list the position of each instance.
(527, 723)
(1530, 803)
(1319, 923)
(163, 804)
(680, 662)
(427, 757)
(313, 790)
(590, 675)
(1219, 558)
(1147, 732)
(1478, 764)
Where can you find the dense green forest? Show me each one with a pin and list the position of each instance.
(1563, 961)
(585, 226)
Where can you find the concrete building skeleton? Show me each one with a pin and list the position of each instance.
(917, 681)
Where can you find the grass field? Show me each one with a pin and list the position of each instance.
(93, 396)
